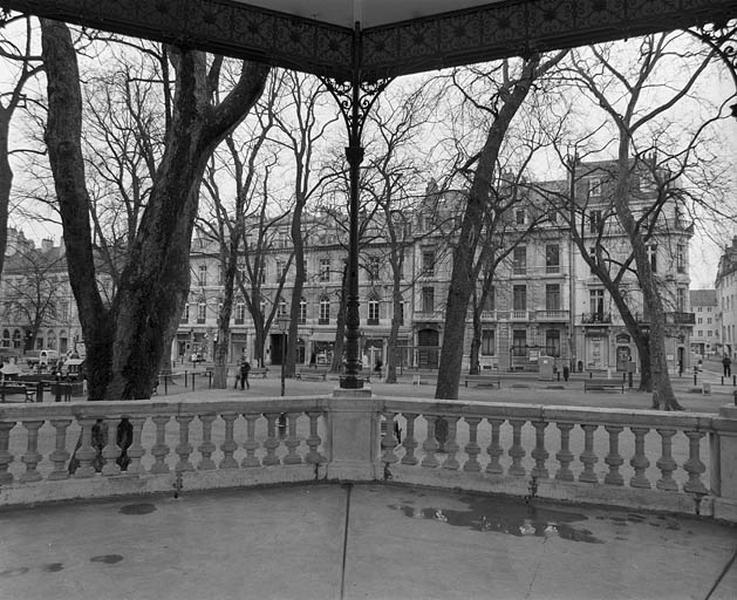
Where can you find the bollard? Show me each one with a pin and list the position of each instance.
(166, 385)
(694, 377)
(734, 380)
(734, 396)
(558, 373)
(185, 378)
(722, 379)
(209, 380)
(630, 379)
(193, 374)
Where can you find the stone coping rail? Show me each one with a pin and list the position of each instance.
(681, 462)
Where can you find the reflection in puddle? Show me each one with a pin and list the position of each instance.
(508, 517)
(137, 509)
(108, 559)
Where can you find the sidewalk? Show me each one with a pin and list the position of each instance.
(399, 543)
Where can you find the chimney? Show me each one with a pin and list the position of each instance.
(47, 244)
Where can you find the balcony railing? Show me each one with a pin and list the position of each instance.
(596, 317)
(625, 457)
(521, 315)
(552, 315)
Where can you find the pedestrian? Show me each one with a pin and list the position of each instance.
(727, 364)
(566, 372)
(313, 360)
(245, 370)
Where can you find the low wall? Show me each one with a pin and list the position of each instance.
(645, 459)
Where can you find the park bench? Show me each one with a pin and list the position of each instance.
(258, 372)
(28, 391)
(312, 374)
(483, 380)
(603, 384)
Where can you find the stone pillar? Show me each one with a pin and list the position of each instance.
(353, 425)
(723, 443)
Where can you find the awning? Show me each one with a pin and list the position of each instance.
(322, 336)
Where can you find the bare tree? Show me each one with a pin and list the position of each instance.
(507, 96)
(21, 61)
(127, 340)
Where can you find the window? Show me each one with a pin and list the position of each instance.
(401, 312)
(594, 184)
(519, 297)
(519, 342)
(700, 333)
(594, 221)
(201, 312)
(708, 308)
(552, 258)
(302, 311)
(240, 313)
(373, 311)
(280, 270)
(428, 299)
(552, 342)
(596, 304)
(374, 266)
(552, 296)
(519, 260)
(681, 258)
(698, 308)
(490, 303)
(681, 299)
(281, 310)
(487, 342)
(428, 262)
(324, 269)
(262, 275)
(709, 333)
(652, 256)
(519, 216)
(592, 257)
(708, 320)
(699, 321)
(324, 310)
(202, 276)
(185, 314)
(552, 215)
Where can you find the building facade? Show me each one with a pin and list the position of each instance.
(726, 293)
(706, 339)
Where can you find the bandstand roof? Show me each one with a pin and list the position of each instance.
(394, 37)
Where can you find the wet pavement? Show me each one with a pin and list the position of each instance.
(364, 541)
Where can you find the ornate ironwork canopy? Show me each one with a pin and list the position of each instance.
(396, 37)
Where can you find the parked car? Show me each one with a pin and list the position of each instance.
(45, 358)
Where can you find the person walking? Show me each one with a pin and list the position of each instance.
(245, 370)
(727, 364)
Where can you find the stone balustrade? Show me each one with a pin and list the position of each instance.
(669, 461)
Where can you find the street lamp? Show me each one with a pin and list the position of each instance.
(282, 323)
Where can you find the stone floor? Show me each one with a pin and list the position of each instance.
(364, 541)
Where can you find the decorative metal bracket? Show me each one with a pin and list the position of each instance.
(722, 38)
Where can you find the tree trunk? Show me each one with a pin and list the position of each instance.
(462, 280)
(127, 342)
(6, 183)
(391, 355)
(299, 279)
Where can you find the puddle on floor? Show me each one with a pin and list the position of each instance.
(506, 516)
(108, 559)
(137, 509)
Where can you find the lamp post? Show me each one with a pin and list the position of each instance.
(282, 323)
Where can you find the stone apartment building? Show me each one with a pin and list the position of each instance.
(726, 295)
(545, 300)
(37, 308)
(706, 339)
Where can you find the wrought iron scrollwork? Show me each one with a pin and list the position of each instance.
(721, 36)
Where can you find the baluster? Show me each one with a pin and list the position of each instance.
(32, 456)
(517, 452)
(410, 443)
(60, 455)
(472, 448)
(588, 458)
(5, 456)
(665, 463)
(639, 461)
(272, 442)
(86, 453)
(160, 450)
(136, 451)
(693, 466)
(229, 445)
(389, 440)
(495, 448)
(314, 441)
(292, 442)
(206, 447)
(430, 445)
(613, 459)
(184, 448)
(564, 456)
(111, 451)
(251, 444)
(451, 446)
(539, 453)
